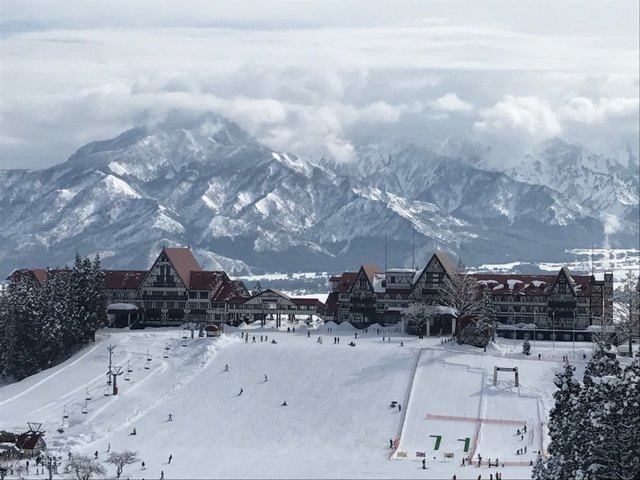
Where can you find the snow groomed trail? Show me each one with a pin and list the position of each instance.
(337, 422)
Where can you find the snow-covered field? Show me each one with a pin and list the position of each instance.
(338, 421)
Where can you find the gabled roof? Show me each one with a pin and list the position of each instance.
(29, 440)
(207, 280)
(447, 262)
(312, 302)
(346, 281)
(123, 279)
(370, 270)
(332, 302)
(231, 290)
(183, 261)
(516, 284)
(444, 259)
(38, 274)
(564, 272)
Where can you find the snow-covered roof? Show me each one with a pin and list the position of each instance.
(378, 282)
(122, 306)
(512, 283)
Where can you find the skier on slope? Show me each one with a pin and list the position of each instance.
(241, 390)
(284, 404)
(170, 419)
(265, 377)
(170, 458)
(226, 367)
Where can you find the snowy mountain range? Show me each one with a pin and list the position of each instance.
(246, 208)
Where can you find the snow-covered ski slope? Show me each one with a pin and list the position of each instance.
(338, 420)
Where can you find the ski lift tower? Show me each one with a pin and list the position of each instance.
(115, 373)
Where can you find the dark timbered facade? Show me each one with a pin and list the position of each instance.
(558, 303)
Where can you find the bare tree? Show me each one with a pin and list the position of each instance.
(461, 293)
(626, 307)
(419, 314)
(121, 459)
(6, 467)
(84, 467)
(51, 463)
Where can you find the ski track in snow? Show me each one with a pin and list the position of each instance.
(50, 377)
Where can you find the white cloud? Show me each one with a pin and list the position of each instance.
(309, 76)
(450, 103)
(529, 115)
(585, 110)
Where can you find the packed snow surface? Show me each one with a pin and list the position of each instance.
(338, 420)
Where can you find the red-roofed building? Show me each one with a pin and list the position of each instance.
(174, 290)
(551, 304)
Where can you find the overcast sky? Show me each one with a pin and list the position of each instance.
(310, 77)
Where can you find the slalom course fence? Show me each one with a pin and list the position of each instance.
(460, 418)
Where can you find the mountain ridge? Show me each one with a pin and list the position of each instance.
(246, 208)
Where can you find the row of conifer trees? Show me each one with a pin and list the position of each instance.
(44, 324)
(595, 424)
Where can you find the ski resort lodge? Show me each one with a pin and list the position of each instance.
(549, 305)
(176, 290)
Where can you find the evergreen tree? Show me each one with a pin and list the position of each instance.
(603, 362)
(562, 419)
(526, 347)
(598, 453)
(99, 292)
(257, 290)
(629, 430)
(487, 319)
(24, 311)
(6, 333)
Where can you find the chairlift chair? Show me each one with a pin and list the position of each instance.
(184, 343)
(148, 356)
(146, 366)
(129, 367)
(106, 391)
(85, 409)
(87, 396)
(127, 376)
(166, 355)
(65, 413)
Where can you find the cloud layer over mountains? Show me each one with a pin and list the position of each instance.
(310, 77)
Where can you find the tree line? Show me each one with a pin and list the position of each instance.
(42, 325)
(595, 424)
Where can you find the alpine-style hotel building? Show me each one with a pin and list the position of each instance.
(176, 290)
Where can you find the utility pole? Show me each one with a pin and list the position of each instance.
(413, 249)
(573, 348)
(553, 327)
(111, 348)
